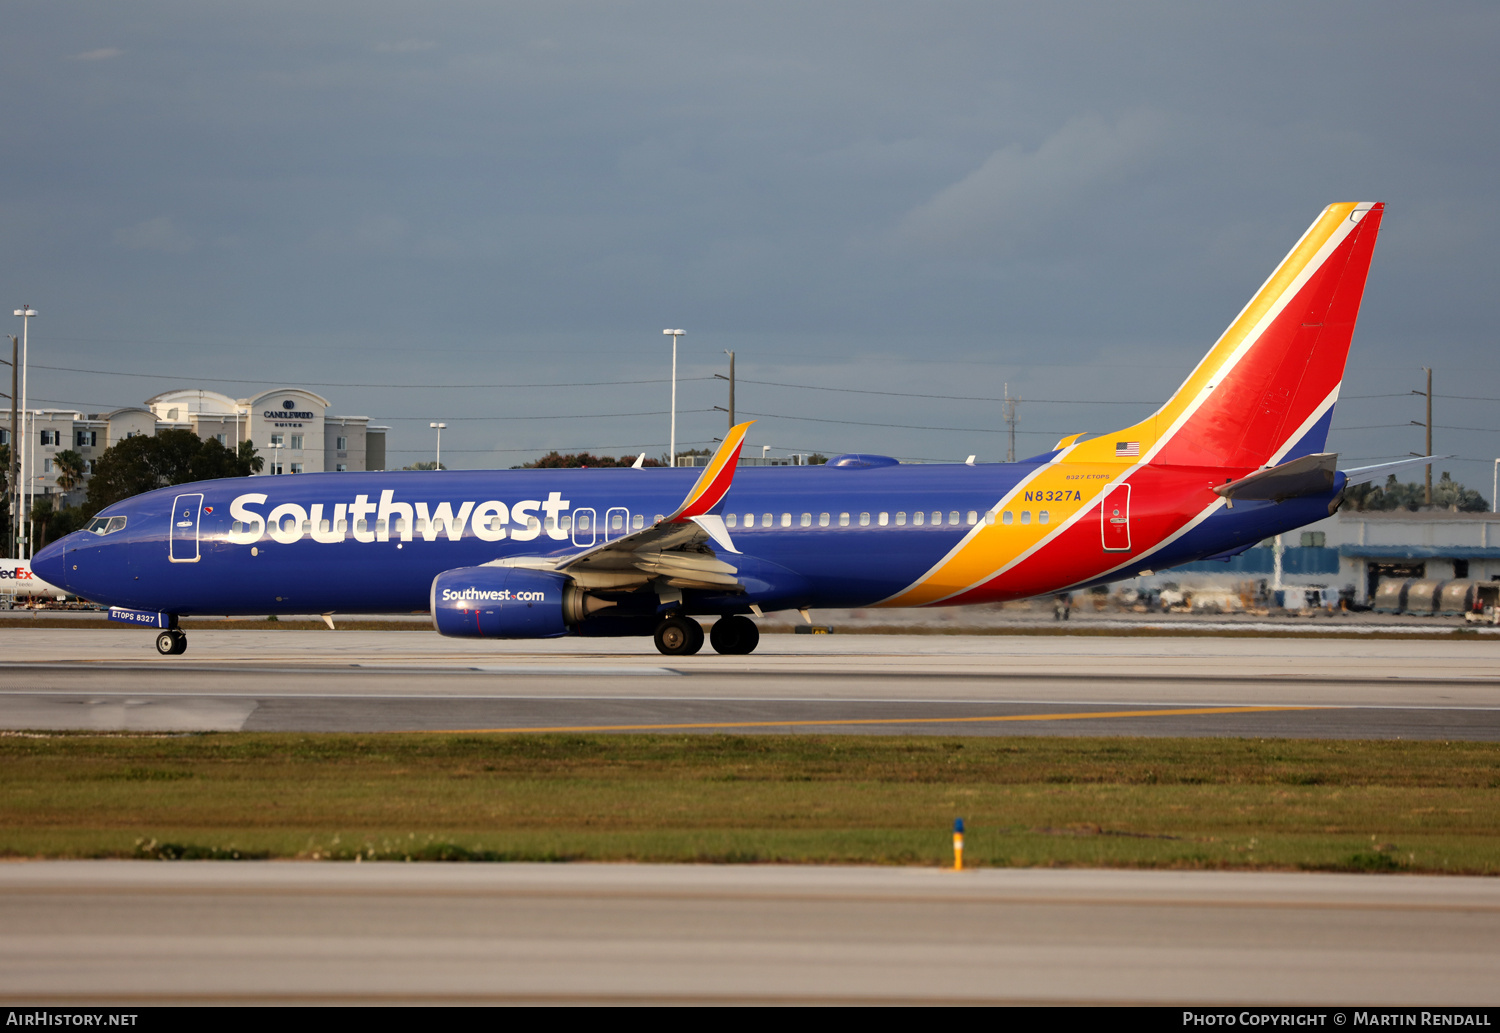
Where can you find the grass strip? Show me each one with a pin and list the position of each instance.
(1173, 803)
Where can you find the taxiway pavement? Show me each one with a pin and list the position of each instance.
(211, 932)
(928, 684)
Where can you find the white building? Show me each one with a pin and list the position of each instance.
(292, 429)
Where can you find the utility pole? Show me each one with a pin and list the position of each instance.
(1009, 412)
(1427, 493)
(14, 474)
(730, 378)
(28, 472)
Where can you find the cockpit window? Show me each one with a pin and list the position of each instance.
(107, 525)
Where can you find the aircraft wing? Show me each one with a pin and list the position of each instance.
(677, 547)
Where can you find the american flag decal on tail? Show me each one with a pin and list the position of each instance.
(1127, 448)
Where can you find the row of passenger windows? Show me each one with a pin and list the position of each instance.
(919, 519)
(617, 521)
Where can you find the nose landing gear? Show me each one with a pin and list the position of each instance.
(171, 643)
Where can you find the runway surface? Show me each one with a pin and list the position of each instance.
(146, 933)
(925, 684)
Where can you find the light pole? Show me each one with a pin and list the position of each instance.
(672, 446)
(439, 427)
(1494, 501)
(25, 312)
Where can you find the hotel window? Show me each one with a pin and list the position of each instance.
(46, 466)
(4, 437)
(296, 441)
(296, 468)
(278, 440)
(51, 437)
(88, 438)
(221, 439)
(341, 468)
(343, 444)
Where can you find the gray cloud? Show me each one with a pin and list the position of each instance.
(1071, 198)
(159, 234)
(1018, 193)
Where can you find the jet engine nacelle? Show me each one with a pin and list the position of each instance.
(507, 602)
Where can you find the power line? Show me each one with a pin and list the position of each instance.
(330, 383)
(548, 416)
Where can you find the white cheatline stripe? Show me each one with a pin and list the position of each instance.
(1307, 425)
(974, 532)
(1259, 290)
(1281, 452)
(1251, 338)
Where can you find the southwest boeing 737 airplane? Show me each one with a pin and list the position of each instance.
(1233, 457)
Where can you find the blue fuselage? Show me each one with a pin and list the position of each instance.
(373, 542)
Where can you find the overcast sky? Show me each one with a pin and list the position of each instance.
(941, 199)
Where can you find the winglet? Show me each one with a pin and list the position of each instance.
(715, 479)
(640, 461)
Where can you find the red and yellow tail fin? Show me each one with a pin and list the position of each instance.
(714, 482)
(1265, 391)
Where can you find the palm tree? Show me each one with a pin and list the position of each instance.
(71, 469)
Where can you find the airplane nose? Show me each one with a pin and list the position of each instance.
(51, 563)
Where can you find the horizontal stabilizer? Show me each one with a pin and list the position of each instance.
(1309, 475)
(1366, 474)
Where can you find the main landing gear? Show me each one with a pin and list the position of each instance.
(171, 643)
(682, 636)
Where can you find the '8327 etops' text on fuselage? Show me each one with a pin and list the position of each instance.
(1234, 456)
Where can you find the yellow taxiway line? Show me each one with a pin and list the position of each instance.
(1093, 715)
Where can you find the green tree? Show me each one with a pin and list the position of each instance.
(71, 469)
(1446, 494)
(249, 462)
(53, 521)
(144, 463)
(573, 460)
(426, 464)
